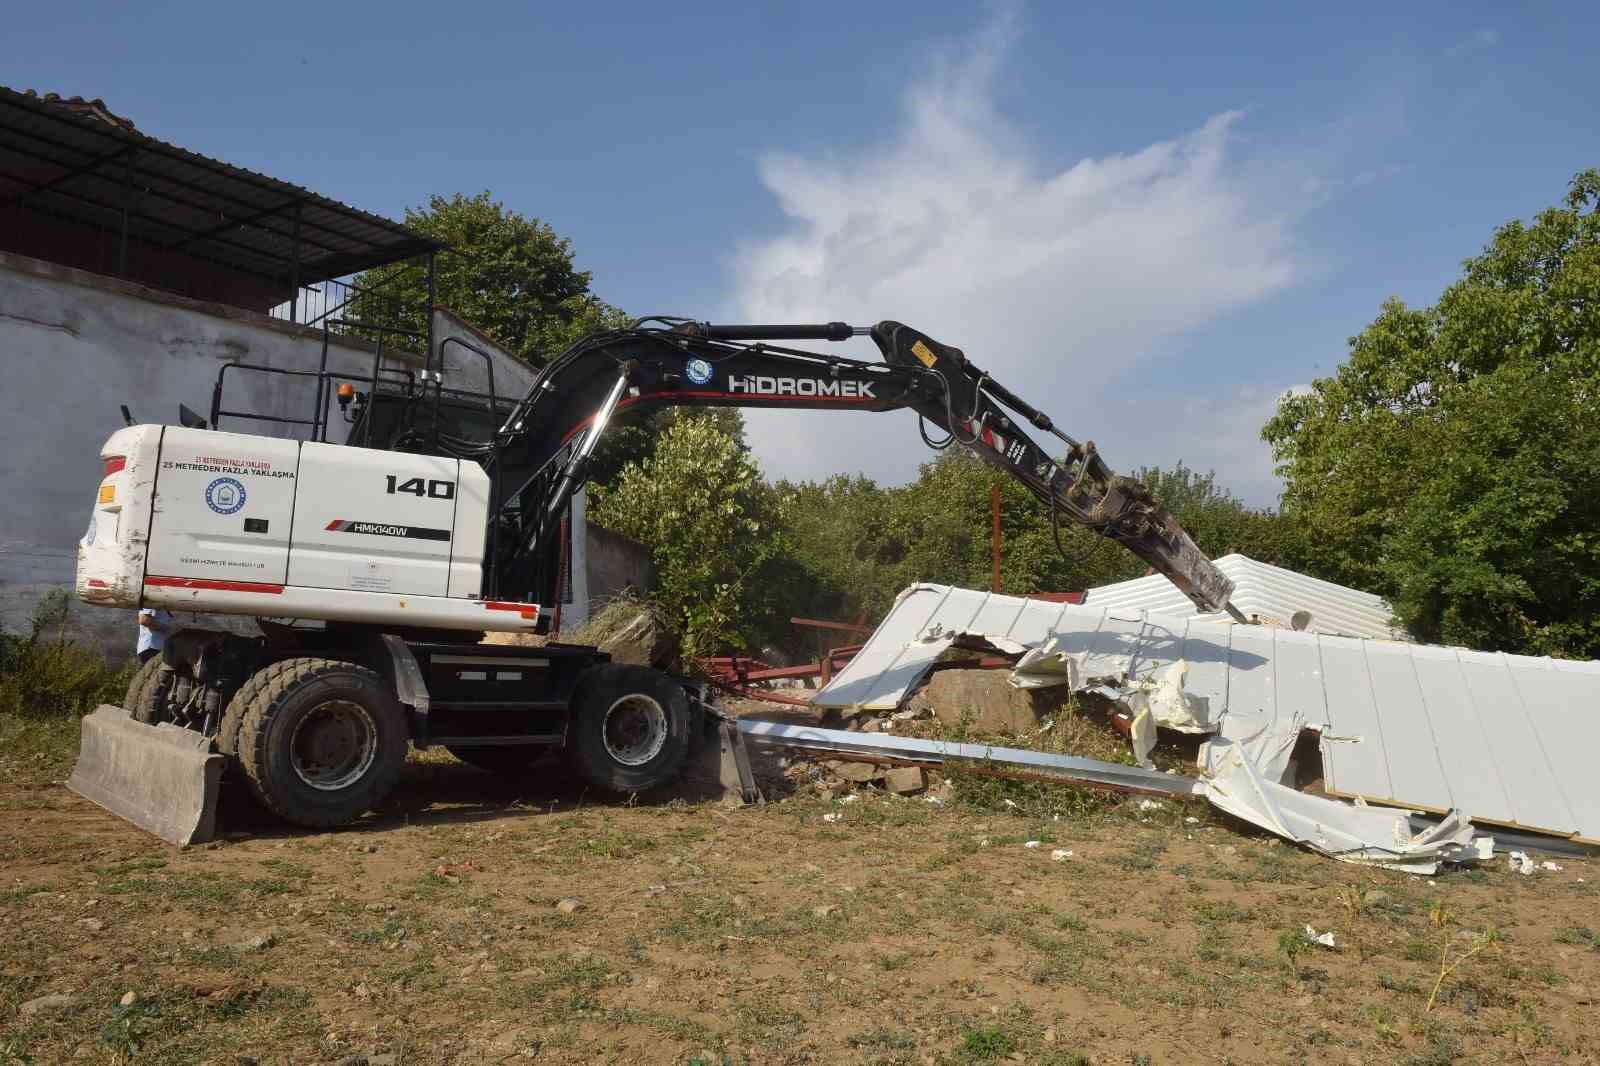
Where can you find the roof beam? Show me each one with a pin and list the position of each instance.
(60, 179)
(232, 223)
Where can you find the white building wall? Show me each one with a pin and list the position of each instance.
(74, 346)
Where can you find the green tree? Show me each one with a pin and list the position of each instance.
(508, 274)
(1218, 521)
(715, 530)
(1452, 463)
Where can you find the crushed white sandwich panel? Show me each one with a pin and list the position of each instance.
(922, 624)
(1504, 738)
(1270, 592)
(1371, 836)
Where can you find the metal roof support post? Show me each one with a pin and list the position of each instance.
(294, 269)
(127, 205)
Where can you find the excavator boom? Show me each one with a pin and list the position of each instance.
(684, 363)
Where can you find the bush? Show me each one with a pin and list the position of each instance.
(46, 674)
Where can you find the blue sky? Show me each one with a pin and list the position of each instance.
(1148, 222)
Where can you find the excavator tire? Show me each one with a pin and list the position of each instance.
(148, 691)
(321, 741)
(510, 761)
(629, 728)
(233, 714)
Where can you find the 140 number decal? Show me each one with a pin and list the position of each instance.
(437, 490)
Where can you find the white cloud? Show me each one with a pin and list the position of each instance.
(1059, 281)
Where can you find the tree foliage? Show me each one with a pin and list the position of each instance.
(506, 273)
(714, 528)
(864, 543)
(1218, 521)
(1453, 462)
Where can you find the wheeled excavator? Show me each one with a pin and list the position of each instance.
(376, 566)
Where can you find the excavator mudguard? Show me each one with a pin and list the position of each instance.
(162, 778)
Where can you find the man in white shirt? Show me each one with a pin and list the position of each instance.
(154, 625)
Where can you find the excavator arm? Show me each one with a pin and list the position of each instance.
(551, 434)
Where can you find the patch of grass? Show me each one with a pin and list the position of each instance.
(1405, 986)
(1580, 935)
(391, 932)
(685, 1029)
(986, 1042)
(23, 894)
(883, 1039)
(1217, 913)
(1442, 1050)
(217, 956)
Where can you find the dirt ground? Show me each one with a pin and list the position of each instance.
(901, 931)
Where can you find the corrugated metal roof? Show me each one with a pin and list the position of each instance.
(67, 162)
(1269, 592)
(1506, 738)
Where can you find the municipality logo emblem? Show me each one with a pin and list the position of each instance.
(225, 495)
(699, 371)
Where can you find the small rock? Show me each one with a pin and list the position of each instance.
(54, 1001)
(1375, 896)
(831, 818)
(905, 780)
(1060, 855)
(94, 925)
(1049, 1036)
(859, 772)
(129, 998)
(827, 910)
(569, 905)
(258, 943)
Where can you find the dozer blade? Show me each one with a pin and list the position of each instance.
(161, 778)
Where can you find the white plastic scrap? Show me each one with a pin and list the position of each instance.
(1151, 805)
(849, 799)
(1031, 844)
(1553, 867)
(1521, 863)
(1060, 855)
(1325, 939)
(831, 817)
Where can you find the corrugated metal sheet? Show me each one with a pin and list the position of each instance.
(1268, 591)
(1506, 738)
(69, 163)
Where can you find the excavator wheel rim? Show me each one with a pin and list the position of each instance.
(635, 729)
(334, 745)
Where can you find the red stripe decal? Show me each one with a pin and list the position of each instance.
(335, 524)
(214, 585)
(527, 610)
(96, 583)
